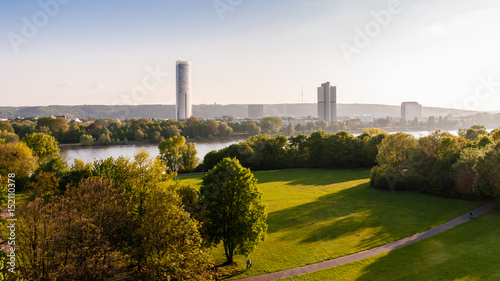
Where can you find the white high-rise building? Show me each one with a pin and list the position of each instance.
(411, 110)
(183, 82)
(327, 103)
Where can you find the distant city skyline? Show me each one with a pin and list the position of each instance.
(439, 53)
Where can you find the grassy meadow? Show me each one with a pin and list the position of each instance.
(319, 214)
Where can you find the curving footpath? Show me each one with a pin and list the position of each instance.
(375, 251)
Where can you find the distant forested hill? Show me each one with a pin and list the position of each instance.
(213, 111)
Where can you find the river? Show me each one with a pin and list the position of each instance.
(89, 153)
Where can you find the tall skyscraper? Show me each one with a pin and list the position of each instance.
(183, 82)
(411, 110)
(327, 102)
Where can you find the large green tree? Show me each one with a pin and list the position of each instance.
(233, 212)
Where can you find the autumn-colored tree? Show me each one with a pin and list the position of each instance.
(76, 236)
(59, 125)
(43, 146)
(17, 158)
(177, 155)
(86, 139)
(171, 240)
(4, 126)
(44, 183)
(7, 136)
(212, 127)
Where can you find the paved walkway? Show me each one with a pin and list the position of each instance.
(375, 251)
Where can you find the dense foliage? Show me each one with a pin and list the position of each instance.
(93, 220)
(319, 150)
(464, 166)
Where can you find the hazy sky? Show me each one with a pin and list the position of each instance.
(439, 53)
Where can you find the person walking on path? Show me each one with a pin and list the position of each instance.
(249, 264)
(471, 215)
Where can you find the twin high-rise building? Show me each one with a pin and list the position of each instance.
(183, 106)
(327, 103)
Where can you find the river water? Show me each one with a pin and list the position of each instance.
(89, 153)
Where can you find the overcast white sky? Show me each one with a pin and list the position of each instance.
(250, 51)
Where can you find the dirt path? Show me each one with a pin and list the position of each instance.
(375, 251)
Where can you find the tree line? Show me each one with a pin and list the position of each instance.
(465, 166)
(319, 150)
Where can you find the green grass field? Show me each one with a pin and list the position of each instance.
(316, 214)
(467, 252)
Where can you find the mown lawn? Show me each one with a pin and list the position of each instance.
(318, 214)
(467, 252)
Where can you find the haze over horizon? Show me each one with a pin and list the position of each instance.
(437, 53)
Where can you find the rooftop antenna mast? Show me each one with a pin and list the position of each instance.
(302, 93)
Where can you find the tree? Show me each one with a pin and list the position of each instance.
(44, 183)
(76, 236)
(253, 129)
(177, 156)
(233, 212)
(290, 129)
(43, 146)
(473, 132)
(46, 122)
(224, 130)
(189, 161)
(171, 240)
(374, 131)
(59, 125)
(212, 128)
(271, 124)
(104, 139)
(170, 153)
(173, 131)
(139, 135)
(487, 169)
(8, 136)
(86, 140)
(46, 148)
(17, 158)
(397, 160)
(322, 125)
(156, 137)
(6, 127)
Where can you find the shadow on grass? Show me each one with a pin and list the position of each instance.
(373, 216)
(331, 216)
(228, 271)
(315, 177)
